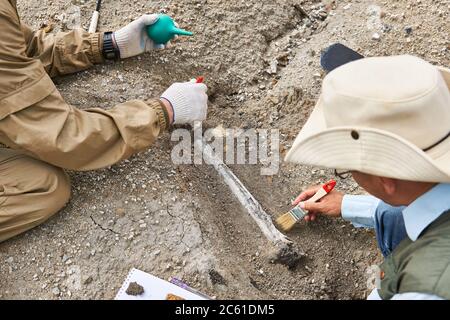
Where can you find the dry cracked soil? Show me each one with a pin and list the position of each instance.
(260, 60)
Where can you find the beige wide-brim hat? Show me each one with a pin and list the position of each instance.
(386, 116)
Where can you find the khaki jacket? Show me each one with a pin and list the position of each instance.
(34, 117)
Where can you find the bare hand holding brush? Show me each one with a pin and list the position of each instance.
(329, 205)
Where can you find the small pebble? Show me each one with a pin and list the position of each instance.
(56, 291)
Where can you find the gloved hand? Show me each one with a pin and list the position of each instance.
(132, 40)
(188, 100)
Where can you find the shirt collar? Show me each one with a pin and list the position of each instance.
(426, 209)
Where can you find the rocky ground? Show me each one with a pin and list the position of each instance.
(261, 63)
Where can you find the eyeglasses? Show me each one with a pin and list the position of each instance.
(342, 174)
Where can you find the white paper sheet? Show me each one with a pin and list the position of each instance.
(154, 288)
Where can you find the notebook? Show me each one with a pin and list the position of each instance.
(154, 288)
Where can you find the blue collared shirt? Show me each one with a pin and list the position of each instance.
(426, 209)
(360, 210)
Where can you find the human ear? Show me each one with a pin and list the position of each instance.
(389, 185)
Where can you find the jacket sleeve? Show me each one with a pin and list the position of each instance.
(70, 138)
(64, 52)
(35, 118)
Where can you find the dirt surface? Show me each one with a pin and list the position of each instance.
(261, 63)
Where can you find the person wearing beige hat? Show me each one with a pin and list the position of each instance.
(386, 122)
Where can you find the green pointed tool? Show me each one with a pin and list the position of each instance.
(164, 30)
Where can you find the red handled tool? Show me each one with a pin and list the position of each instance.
(289, 219)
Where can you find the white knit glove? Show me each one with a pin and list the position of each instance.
(132, 40)
(189, 101)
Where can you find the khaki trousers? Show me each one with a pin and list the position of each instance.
(31, 191)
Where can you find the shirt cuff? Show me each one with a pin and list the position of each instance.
(360, 210)
(161, 111)
(96, 40)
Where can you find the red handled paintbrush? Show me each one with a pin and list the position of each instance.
(289, 219)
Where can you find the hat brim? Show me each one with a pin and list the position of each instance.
(374, 151)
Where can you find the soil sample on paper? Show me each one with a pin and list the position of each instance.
(135, 289)
(171, 296)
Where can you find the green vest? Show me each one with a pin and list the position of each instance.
(420, 266)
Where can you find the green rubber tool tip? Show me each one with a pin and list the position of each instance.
(164, 30)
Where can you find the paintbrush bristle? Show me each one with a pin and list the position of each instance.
(289, 219)
(286, 221)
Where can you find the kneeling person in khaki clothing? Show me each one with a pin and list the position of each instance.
(46, 135)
